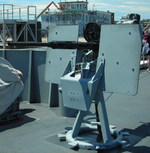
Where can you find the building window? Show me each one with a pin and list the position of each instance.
(80, 6)
(72, 6)
(68, 7)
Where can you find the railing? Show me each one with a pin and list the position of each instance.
(10, 11)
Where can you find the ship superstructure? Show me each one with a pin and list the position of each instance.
(75, 13)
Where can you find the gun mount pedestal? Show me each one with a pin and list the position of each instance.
(85, 92)
(115, 70)
(90, 137)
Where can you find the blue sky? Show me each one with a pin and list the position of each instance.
(119, 7)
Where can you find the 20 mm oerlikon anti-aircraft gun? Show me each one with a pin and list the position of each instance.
(114, 67)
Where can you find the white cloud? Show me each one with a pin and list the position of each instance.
(120, 8)
(100, 4)
(133, 8)
(124, 8)
(137, 3)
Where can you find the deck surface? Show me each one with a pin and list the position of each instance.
(37, 130)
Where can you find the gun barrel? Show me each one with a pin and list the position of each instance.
(59, 45)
